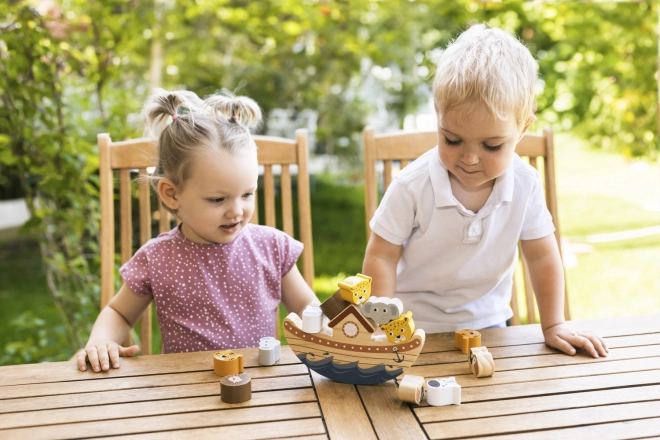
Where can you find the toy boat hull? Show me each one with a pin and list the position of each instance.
(362, 362)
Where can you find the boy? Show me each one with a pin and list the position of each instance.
(445, 235)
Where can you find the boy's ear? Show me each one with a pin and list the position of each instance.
(530, 121)
(168, 193)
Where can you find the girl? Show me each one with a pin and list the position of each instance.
(216, 279)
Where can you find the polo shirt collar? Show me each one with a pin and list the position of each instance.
(502, 191)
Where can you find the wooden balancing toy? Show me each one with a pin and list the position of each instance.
(349, 348)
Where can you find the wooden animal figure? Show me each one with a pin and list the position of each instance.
(382, 309)
(400, 330)
(312, 319)
(269, 351)
(236, 388)
(481, 362)
(411, 389)
(356, 290)
(466, 339)
(334, 305)
(441, 392)
(227, 362)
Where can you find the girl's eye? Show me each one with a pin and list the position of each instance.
(216, 200)
(493, 147)
(452, 143)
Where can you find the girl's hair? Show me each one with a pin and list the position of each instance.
(186, 126)
(487, 66)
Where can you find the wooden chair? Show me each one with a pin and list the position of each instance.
(402, 147)
(140, 154)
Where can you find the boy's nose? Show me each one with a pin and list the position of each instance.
(470, 158)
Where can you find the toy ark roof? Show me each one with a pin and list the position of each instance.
(352, 310)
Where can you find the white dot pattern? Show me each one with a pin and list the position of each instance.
(214, 296)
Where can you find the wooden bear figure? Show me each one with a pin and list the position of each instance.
(227, 362)
(481, 362)
(466, 339)
(440, 392)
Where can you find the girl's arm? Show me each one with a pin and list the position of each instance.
(111, 329)
(296, 294)
(547, 275)
(380, 262)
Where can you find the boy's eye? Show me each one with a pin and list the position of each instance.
(216, 200)
(452, 143)
(493, 147)
(247, 195)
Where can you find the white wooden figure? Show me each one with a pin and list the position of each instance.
(444, 391)
(312, 319)
(269, 351)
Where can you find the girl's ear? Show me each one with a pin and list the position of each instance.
(168, 193)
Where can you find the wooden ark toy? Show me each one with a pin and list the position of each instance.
(466, 339)
(349, 349)
(441, 392)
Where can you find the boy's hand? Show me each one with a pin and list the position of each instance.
(564, 338)
(103, 353)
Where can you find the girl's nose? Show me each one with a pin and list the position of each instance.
(234, 210)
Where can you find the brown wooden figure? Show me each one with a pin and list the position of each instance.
(236, 388)
(481, 362)
(334, 305)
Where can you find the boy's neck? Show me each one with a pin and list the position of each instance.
(472, 198)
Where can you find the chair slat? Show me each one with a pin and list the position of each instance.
(164, 219)
(387, 174)
(255, 216)
(532, 162)
(145, 235)
(269, 195)
(515, 319)
(529, 291)
(404, 163)
(287, 204)
(126, 222)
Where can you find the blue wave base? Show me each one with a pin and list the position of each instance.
(350, 373)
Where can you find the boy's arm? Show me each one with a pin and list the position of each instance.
(380, 262)
(111, 329)
(296, 294)
(547, 276)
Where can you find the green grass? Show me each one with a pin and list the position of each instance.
(598, 193)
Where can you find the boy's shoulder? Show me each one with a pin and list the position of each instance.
(418, 170)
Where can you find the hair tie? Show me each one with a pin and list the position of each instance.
(175, 117)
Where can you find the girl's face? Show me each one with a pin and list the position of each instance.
(217, 200)
(477, 148)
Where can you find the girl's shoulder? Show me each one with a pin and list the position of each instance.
(262, 233)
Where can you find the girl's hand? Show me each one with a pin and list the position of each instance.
(563, 338)
(103, 353)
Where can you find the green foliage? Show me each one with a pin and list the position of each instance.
(35, 342)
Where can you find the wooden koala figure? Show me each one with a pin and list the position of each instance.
(382, 309)
(400, 330)
(355, 290)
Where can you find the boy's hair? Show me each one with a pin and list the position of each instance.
(186, 126)
(487, 66)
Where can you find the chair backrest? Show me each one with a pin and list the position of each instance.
(383, 154)
(128, 156)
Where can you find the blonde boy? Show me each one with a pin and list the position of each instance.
(445, 235)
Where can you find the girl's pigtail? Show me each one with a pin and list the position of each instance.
(234, 109)
(163, 107)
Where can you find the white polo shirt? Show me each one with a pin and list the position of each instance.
(456, 269)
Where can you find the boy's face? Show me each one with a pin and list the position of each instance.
(477, 148)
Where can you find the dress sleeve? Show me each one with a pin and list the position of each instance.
(538, 221)
(289, 250)
(136, 273)
(395, 218)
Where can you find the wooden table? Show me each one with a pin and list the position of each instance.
(535, 393)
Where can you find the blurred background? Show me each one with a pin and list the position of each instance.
(70, 69)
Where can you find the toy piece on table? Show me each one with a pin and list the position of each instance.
(334, 305)
(236, 388)
(269, 351)
(382, 309)
(481, 362)
(312, 319)
(399, 330)
(356, 290)
(441, 392)
(227, 362)
(467, 339)
(411, 389)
